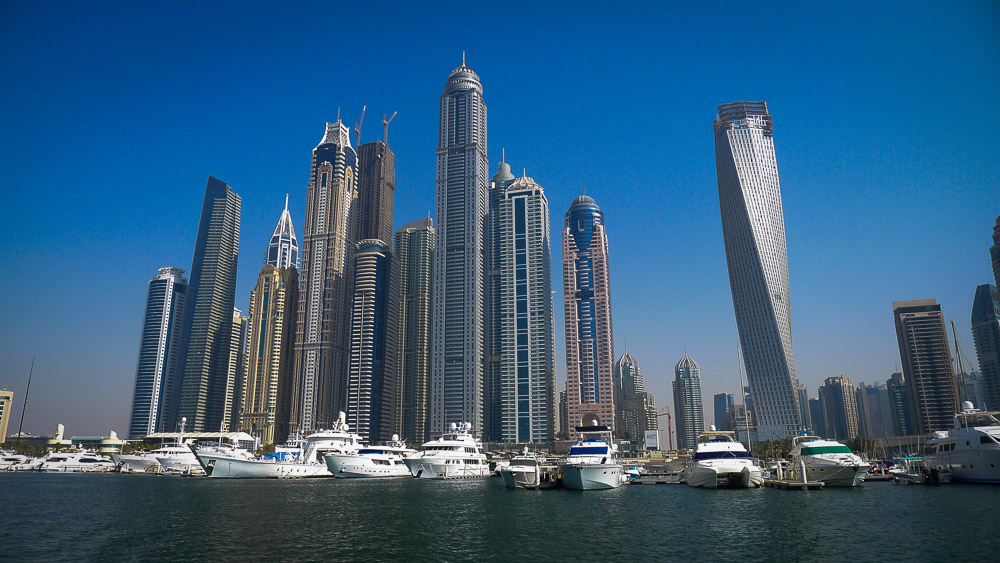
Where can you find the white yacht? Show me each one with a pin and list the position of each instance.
(135, 463)
(177, 458)
(10, 461)
(720, 461)
(454, 454)
(308, 464)
(969, 452)
(828, 461)
(592, 462)
(524, 470)
(83, 461)
(374, 461)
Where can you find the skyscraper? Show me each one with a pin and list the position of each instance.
(376, 191)
(587, 307)
(995, 252)
(753, 228)
(874, 418)
(804, 415)
(816, 415)
(6, 407)
(322, 333)
(931, 386)
(237, 369)
(986, 336)
(208, 313)
(724, 403)
(157, 373)
(840, 408)
(637, 413)
(372, 383)
(494, 330)
(267, 384)
(687, 402)
(459, 337)
(415, 251)
(899, 406)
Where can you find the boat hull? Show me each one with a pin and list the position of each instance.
(723, 476)
(134, 463)
(836, 475)
(590, 477)
(514, 477)
(359, 467)
(968, 466)
(223, 467)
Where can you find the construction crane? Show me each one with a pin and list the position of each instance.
(385, 123)
(357, 126)
(670, 435)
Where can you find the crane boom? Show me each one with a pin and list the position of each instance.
(357, 126)
(385, 123)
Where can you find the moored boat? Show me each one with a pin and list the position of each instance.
(592, 462)
(719, 461)
(455, 454)
(828, 461)
(386, 460)
(80, 461)
(524, 470)
(970, 451)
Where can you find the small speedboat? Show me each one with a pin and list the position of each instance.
(719, 461)
(524, 470)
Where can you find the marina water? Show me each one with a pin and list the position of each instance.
(144, 517)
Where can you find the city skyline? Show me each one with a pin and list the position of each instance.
(859, 195)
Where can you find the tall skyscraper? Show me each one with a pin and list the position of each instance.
(637, 412)
(753, 228)
(587, 307)
(804, 415)
(237, 369)
(687, 402)
(899, 406)
(986, 336)
(415, 251)
(995, 252)
(873, 408)
(6, 407)
(931, 386)
(372, 384)
(208, 313)
(267, 384)
(157, 373)
(322, 333)
(563, 414)
(493, 411)
(376, 191)
(816, 415)
(459, 339)
(526, 341)
(724, 403)
(840, 408)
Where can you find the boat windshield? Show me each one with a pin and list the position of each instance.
(368, 451)
(721, 455)
(816, 450)
(588, 450)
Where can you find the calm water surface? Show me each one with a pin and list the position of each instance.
(145, 517)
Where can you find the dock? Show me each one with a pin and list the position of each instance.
(790, 485)
(657, 479)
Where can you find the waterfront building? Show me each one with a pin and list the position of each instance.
(931, 385)
(804, 413)
(637, 411)
(840, 408)
(723, 404)
(899, 405)
(587, 308)
(986, 336)
(873, 408)
(322, 334)
(492, 409)
(816, 415)
(687, 403)
(995, 252)
(459, 338)
(6, 407)
(376, 191)
(527, 406)
(415, 252)
(157, 373)
(753, 229)
(372, 383)
(563, 415)
(208, 312)
(237, 369)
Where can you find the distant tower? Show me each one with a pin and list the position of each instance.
(873, 403)
(527, 350)
(931, 385)
(995, 252)
(804, 414)
(494, 325)
(322, 334)
(637, 411)
(753, 227)
(6, 401)
(208, 313)
(157, 373)
(587, 308)
(687, 402)
(816, 414)
(724, 403)
(899, 406)
(986, 335)
(283, 250)
(840, 408)
(459, 340)
(237, 369)
(372, 382)
(376, 191)
(415, 252)
(563, 414)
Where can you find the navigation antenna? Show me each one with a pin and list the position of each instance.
(385, 123)
(357, 126)
(25, 405)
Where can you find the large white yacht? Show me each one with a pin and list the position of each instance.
(720, 461)
(592, 462)
(83, 461)
(970, 451)
(310, 463)
(524, 470)
(10, 461)
(135, 463)
(386, 460)
(828, 461)
(454, 454)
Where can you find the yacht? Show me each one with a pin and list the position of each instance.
(375, 461)
(828, 461)
(720, 461)
(138, 462)
(83, 461)
(592, 462)
(309, 463)
(10, 461)
(970, 451)
(454, 454)
(524, 470)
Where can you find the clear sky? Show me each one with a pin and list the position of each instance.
(115, 113)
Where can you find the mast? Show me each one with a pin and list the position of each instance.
(746, 412)
(963, 389)
(25, 404)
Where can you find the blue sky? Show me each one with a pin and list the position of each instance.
(114, 115)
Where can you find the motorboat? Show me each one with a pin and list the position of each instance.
(524, 470)
(719, 461)
(135, 463)
(969, 452)
(828, 461)
(454, 454)
(10, 461)
(81, 461)
(309, 463)
(592, 462)
(386, 460)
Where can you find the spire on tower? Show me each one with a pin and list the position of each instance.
(463, 57)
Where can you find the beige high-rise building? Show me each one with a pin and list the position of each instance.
(840, 408)
(6, 406)
(931, 386)
(237, 369)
